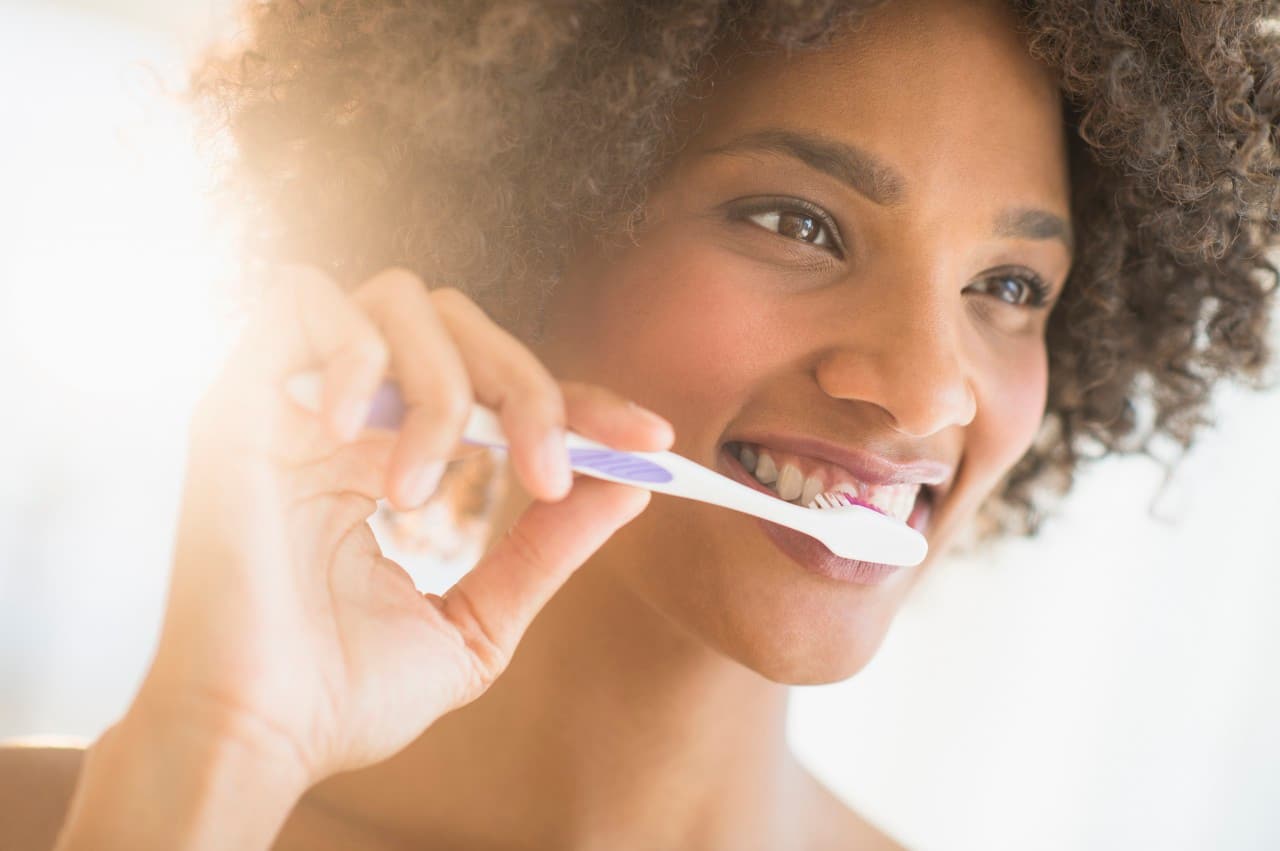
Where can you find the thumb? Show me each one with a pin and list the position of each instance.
(494, 603)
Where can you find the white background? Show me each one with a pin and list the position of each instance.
(1111, 685)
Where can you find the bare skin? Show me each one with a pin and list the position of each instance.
(646, 705)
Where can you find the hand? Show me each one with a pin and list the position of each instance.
(285, 627)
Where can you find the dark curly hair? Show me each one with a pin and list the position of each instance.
(468, 139)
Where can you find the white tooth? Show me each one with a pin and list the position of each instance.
(790, 482)
(903, 498)
(748, 458)
(883, 499)
(909, 501)
(894, 500)
(812, 487)
(766, 472)
(896, 503)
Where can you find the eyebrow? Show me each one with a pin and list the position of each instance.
(880, 182)
(853, 166)
(1031, 223)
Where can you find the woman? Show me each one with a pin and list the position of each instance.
(950, 248)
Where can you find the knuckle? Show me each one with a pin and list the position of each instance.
(329, 520)
(370, 348)
(569, 387)
(401, 282)
(455, 407)
(544, 394)
(526, 550)
(453, 299)
(476, 635)
(393, 283)
(592, 393)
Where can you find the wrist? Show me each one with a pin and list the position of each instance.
(159, 779)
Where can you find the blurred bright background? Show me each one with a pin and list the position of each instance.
(1114, 684)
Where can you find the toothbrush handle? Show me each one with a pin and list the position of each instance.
(387, 411)
(877, 537)
(663, 472)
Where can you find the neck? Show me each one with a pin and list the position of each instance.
(611, 728)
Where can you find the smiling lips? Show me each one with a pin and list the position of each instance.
(798, 479)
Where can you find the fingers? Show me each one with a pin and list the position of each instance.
(508, 378)
(534, 408)
(607, 417)
(444, 352)
(433, 380)
(303, 321)
(493, 604)
(358, 467)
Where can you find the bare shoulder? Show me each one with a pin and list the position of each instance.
(836, 825)
(36, 783)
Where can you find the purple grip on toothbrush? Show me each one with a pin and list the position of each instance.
(386, 410)
(622, 465)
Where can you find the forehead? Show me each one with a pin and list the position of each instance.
(944, 91)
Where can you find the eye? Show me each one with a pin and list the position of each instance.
(1019, 289)
(795, 219)
(796, 225)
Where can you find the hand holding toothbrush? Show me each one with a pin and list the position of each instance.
(291, 648)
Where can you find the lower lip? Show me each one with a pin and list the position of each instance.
(812, 554)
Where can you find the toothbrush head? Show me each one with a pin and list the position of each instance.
(853, 528)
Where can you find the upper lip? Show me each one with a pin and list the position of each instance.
(864, 466)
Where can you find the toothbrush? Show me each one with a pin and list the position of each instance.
(849, 530)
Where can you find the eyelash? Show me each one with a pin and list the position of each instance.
(794, 206)
(1036, 287)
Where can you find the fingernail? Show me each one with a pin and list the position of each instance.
(351, 416)
(554, 459)
(652, 415)
(422, 484)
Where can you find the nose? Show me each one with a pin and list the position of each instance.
(905, 357)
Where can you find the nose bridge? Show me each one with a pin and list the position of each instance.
(903, 351)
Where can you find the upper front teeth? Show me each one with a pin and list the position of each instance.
(763, 469)
(812, 487)
(791, 484)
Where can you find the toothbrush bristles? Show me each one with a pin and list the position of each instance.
(831, 499)
(839, 499)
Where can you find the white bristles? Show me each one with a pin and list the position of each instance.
(831, 499)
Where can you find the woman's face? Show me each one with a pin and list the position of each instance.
(845, 251)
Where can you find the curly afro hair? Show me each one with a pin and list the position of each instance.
(430, 135)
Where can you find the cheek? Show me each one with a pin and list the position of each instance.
(679, 330)
(1009, 413)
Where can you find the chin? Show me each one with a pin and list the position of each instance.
(718, 578)
(808, 659)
